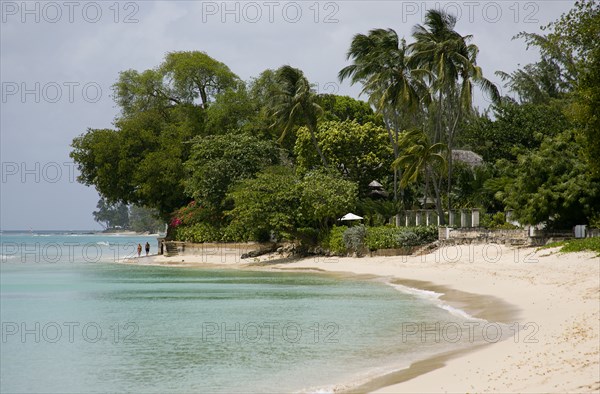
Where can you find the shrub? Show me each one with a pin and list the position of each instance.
(426, 234)
(334, 241)
(190, 214)
(389, 237)
(383, 237)
(354, 239)
(407, 239)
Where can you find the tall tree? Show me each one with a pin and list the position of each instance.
(360, 153)
(422, 158)
(217, 162)
(567, 71)
(452, 64)
(194, 75)
(546, 187)
(141, 161)
(380, 64)
(294, 103)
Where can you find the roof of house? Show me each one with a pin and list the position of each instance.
(468, 157)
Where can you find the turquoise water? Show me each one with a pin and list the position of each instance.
(77, 325)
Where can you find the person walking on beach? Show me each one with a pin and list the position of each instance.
(139, 249)
(147, 248)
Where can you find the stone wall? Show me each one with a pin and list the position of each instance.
(449, 235)
(519, 237)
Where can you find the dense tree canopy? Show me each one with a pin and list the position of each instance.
(515, 127)
(281, 203)
(343, 108)
(195, 75)
(217, 162)
(360, 153)
(264, 205)
(224, 159)
(551, 188)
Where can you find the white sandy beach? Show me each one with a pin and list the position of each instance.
(557, 294)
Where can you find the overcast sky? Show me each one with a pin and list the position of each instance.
(59, 60)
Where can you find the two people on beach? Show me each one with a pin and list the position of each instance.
(139, 249)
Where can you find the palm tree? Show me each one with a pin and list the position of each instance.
(294, 103)
(452, 63)
(380, 64)
(421, 157)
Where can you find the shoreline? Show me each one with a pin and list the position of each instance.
(554, 298)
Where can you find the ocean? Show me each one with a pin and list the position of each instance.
(74, 321)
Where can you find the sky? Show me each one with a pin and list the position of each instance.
(59, 59)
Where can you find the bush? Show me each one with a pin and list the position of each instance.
(191, 214)
(407, 239)
(343, 240)
(197, 233)
(381, 237)
(389, 237)
(334, 241)
(354, 239)
(426, 234)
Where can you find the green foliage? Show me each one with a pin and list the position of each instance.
(419, 156)
(140, 163)
(384, 237)
(264, 205)
(231, 111)
(580, 245)
(360, 153)
(192, 213)
(469, 188)
(344, 108)
(217, 162)
(568, 70)
(422, 159)
(294, 103)
(195, 75)
(354, 239)
(281, 203)
(516, 127)
(190, 129)
(389, 237)
(576, 245)
(546, 187)
(376, 212)
(324, 197)
(334, 241)
(307, 235)
(197, 233)
(578, 30)
(595, 219)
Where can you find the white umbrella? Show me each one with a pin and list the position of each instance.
(350, 216)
